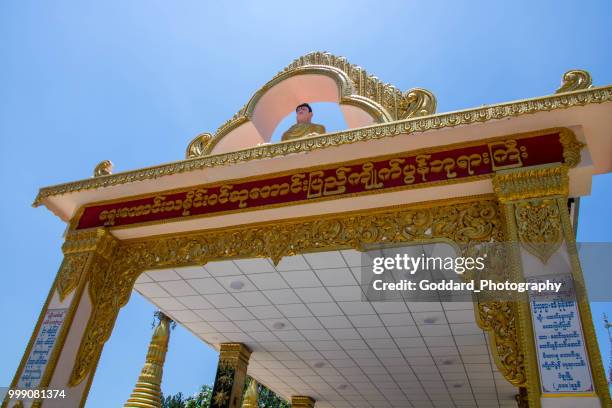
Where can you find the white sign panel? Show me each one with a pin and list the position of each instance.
(41, 350)
(562, 356)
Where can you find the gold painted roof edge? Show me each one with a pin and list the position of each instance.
(419, 124)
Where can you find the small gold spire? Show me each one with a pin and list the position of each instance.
(574, 80)
(251, 396)
(147, 391)
(198, 146)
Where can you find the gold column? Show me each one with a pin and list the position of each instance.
(86, 253)
(231, 375)
(251, 396)
(147, 391)
(301, 401)
(534, 208)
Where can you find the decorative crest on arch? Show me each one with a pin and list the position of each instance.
(384, 102)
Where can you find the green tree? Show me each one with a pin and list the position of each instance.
(201, 399)
(267, 399)
(173, 401)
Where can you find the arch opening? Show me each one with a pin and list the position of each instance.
(277, 100)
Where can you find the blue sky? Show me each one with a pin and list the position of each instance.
(134, 82)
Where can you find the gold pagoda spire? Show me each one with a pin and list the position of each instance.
(147, 391)
(251, 396)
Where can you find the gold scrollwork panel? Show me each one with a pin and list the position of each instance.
(499, 319)
(539, 227)
(464, 223)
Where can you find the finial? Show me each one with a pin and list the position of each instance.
(574, 80)
(147, 391)
(159, 317)
(104, 168)
(417, 102)
(197, 147)
(251, 396)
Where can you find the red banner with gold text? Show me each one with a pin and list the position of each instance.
(403, 170)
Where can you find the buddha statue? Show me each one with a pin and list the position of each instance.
(303, 127)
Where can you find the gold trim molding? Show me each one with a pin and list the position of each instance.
(525, 183)
(302, 401)
(500, 319)
(408, 126)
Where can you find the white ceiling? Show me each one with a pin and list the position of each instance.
(311, 333)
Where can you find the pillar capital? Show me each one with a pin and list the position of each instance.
(82, 249)
(234, 353)
(540, 181)
(231, 375)
(99, 240)
(302, 401)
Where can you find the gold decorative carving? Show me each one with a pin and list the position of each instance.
(571, 148)
(70, 273)
(538, 226)
(574, 80)
(104, 168)
(234, 354)
(408, 126)
(520, 184)
(525, 341)
(417, 102)
(198, 146)
(462, 222)
(102, 245)
(98, 240)
(301, 401)
(77, 248)
(499, 318)
(400, 106)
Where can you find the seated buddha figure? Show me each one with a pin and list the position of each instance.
(303, 127)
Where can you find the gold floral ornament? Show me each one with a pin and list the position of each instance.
(575, 80)
(220, 398)
(539, 227)
(104, 168)
(500, 319)
(70, 273)
(197, 147)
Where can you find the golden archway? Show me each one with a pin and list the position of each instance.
(315, 77)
